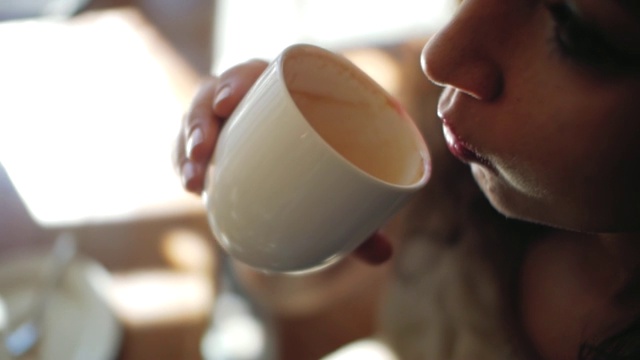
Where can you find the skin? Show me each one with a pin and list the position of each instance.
(559, 143)
(558, 139)
(558, 136)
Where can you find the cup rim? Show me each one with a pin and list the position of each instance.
(418, 138)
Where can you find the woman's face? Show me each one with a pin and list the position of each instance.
(542, 98)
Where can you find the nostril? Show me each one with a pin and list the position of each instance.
(462, 67)
(481, 79)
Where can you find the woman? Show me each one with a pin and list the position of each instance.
(541, 100)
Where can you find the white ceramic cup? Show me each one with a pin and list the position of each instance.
(314, 160)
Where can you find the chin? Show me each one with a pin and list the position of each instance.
(496, 192)
(538, 210)
(509, 202)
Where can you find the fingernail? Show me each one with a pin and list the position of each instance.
(195, 139)
(187, 174)
(222, 95)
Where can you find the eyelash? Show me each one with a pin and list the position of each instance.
(579, 42)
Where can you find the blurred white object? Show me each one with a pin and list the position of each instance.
(370, 349)
(3, 314)
(237, 333)
(22, 337)
(77, 324)
(278, 144)
(19, 9)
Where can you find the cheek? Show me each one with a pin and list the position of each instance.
(563, 144)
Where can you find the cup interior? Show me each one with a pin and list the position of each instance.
(355, 116)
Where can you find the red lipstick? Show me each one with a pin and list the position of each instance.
(461, 150)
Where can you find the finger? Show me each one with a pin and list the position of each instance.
(213, 103)
(192, 175)
(201, 127)
(193, 145)
(178, 155)
(234, 84)
(202, 124)
(375, 250)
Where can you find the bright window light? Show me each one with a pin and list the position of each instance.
(90, 110)
(248, 29)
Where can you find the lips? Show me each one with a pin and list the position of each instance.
(449, 103)
(459, 148)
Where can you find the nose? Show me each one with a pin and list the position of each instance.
(460, 55)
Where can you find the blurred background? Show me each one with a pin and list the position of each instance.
(91, 97)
